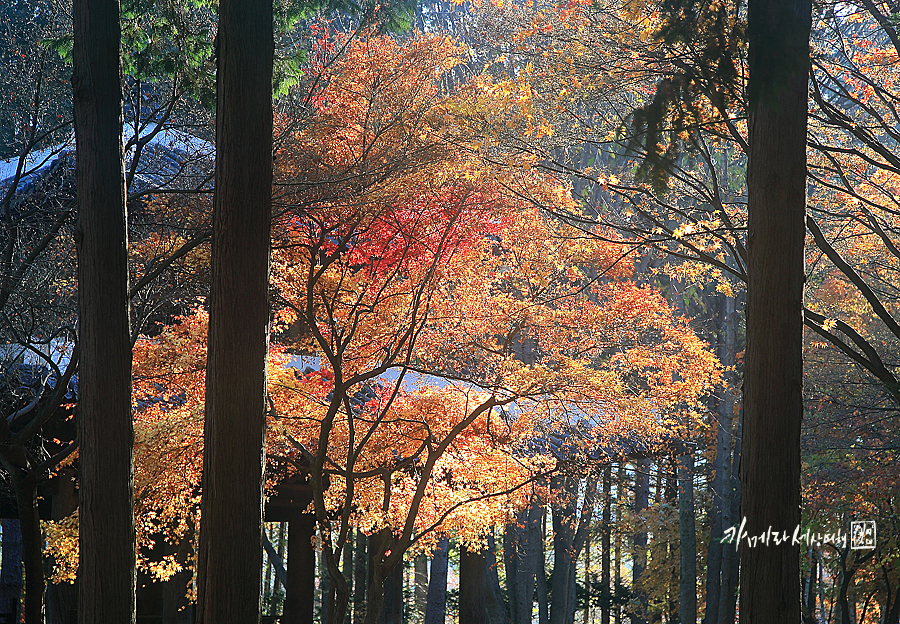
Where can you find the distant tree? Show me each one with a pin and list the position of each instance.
(106, 437)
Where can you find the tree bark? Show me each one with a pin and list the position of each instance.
(230, 557)
(641, 501)
(300, 588)
(479, 589)
(687, 605)
(605, 545)
(731, 499)
(11, 568)
(360, 574)
(106, 436)
(436, 607)
(563, 491)
(778, 33)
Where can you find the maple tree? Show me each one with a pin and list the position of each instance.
(448, 322)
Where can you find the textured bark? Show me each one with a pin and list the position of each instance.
(776, 181)
(621, 499)
(392, 607)
(687, 594)
(420, 593)
(300, 588)
(541, 581)
(436, 607)
(11, 570)
(641, 501)
(360, 574)
(732, 493)
(479, 589)
(230, 557)
(605, 526)
(563, 491)
(106, 436)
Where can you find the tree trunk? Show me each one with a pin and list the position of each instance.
(360, 575)
(541, 571)
(436, 607)
(11, 569)
(479, 589)
(392, 606)
(563, 489)
(641, 501)
(687, 595)
(347, 569)
(620, 505)
(605, 527)
(300, 586)
(230, 557)
(420, 593)
(105, 432)
(496, 609)
(731, 496)
(778, 33)
(32, 546)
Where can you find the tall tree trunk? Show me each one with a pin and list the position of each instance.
(563, 491)
(348, 572)
(420, 593)
(714, 550)
(472, 587)
(360, 575)
(496, 609)
(731, 496)
(230, 558)
(620, 505)
(392, 607)
(300, 586)
(778, 33)
(11, 568)
(641, 501)
(105, 433)
(605, 527)
(436, 607)
(479, 590)
(541, 581)
(687, 595)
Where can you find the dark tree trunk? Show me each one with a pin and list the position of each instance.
(687, 607)
(348, 572)
(513, 545)
(300, 588)
(496, 609)
(731, 492)
(563, 489)
(472, 587)
(436, 607)
(230, 557)
(392, 606)
(543, 598)
(379, 543)
(621, 501)
(605, 527)
(360, 575)
(420, 593)
(479, 589)
(641, 501)
(32, 550)
(778, 32)
(106, 437)
(11, 569)
(715, 547)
